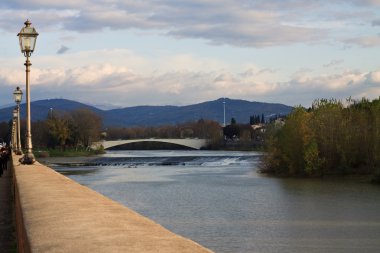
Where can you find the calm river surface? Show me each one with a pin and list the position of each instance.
(217, 199)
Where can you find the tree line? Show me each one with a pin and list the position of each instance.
(79, 128)
(204, 129)
(74, 129)
(256, 119)
(328, 138)
(232, 136)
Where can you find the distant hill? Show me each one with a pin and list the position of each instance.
(40, 109)
(157, 115)
(213, 110)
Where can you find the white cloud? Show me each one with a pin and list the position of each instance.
(122, 86)
(242, 66)
(234, 22)
(187, 62)
(365, 41)
(373, 77)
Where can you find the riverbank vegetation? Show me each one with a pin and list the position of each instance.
(62, 133)
(232, 137)
(72, 134)
(328, 138)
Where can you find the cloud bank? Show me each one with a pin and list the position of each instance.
(113, 74)
(241, 23)
(104, 83)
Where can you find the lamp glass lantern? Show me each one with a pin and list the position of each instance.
(27, 38)
(15, 113)
(17, 94)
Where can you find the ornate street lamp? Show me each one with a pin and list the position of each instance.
(14, 142)
(17, 94)
(27, 37)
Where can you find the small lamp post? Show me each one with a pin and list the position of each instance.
(17, 94)
(14, 113)
(27, 38)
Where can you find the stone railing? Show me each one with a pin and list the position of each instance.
(56, 214)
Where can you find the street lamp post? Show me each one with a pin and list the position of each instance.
(27, 38)
(17, 94)
(14, 142)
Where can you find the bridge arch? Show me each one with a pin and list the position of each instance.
(191, 143)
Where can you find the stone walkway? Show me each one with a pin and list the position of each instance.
(7, 230)
(61, 215)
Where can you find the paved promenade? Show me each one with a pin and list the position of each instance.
(7, 231)
(59, 215)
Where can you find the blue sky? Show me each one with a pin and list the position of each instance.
(164, 52)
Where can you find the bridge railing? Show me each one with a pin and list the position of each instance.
(191, 143)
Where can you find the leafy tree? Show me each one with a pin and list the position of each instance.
(40, 134)
(58, 129)
(231, 131)
(327, 138)
(86, 126)
(255, 119)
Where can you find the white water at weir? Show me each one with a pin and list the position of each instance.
(175, 158)
(217, 199)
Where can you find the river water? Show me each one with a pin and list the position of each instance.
(217, 199)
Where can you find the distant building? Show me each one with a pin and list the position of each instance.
(279, 123)
(259, 127)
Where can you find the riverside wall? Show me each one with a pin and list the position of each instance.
(56, 214)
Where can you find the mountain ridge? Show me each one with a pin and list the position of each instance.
(150, 115)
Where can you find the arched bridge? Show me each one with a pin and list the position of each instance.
(191, 143)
